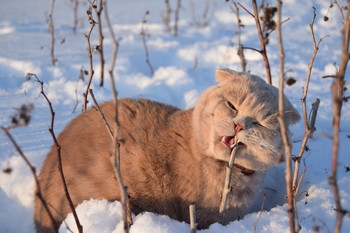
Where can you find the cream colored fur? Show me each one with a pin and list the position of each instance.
(171, 158)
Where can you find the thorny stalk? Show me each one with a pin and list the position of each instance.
(309, 126)
(286, 142)
(338, 88)
(127, 217)
(143, 35)
(88, 36)
(193, 225)
(59, 155)
(100, 46)
(38, 192)
(227, 186)
(240, 51)
(52, 33)
(177, 17)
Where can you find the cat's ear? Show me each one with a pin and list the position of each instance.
(223, 74)
(291, 116)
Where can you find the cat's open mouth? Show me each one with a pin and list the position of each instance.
(230, 141)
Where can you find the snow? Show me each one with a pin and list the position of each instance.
(184, 67)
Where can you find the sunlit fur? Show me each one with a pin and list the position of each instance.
(170, 158)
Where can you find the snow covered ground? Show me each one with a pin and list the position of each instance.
(184, 67)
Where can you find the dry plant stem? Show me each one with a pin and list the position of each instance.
(177, 17)
(100, 47)
(102, 115)
(260, 213)
(75, 20)
(240, 51)
(286, 142)
(298, 226)
(33, 171)
(309, 126)
(262, 43)
(338, 88)
(227, 186)
(91, 72)
(59, 158)
(166, 18)
(52, 33)
(193, 225)
(143, 37)
(308, 132)
(127, 217)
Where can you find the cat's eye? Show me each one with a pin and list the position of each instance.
(257, 123)
(231, 105)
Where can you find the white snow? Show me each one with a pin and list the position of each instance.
(184, 66)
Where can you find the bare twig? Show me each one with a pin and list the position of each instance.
(286, 142)
(177, 17)
(91, 73)
(298, 226)
(59, 155)
(100, 47)
(240, 51)
(338, 88)
(309, 126)
(75, 15)
(143, 35)
(203, 21)
(261, 211)
(38, 192)
(193, 225)
(82, 72)
(262, 39)
(227, 186)
(127, 217)
(166, 17)
(102, 115)
(52, 33)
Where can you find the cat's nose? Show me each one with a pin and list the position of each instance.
(238, 127)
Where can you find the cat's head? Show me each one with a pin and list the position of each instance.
(241, 107)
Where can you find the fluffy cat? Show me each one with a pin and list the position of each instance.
(171, 158)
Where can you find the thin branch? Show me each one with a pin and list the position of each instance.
(262, 39)
(38, 192)
(227, 186)
(338, 88)
(102, 115)
(286, 142)
(52, 33)
(166, 17)
(298, 227)
(193, 225)
(240, 51)
(59, 156)
(127, 217)
(91, 73)
(261, 211)
(75, 16)
(143, 37)
(309, 126)
(177, 17)
(100, 47)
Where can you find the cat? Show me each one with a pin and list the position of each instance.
(171, 158)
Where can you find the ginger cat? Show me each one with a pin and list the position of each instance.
(171, 158)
